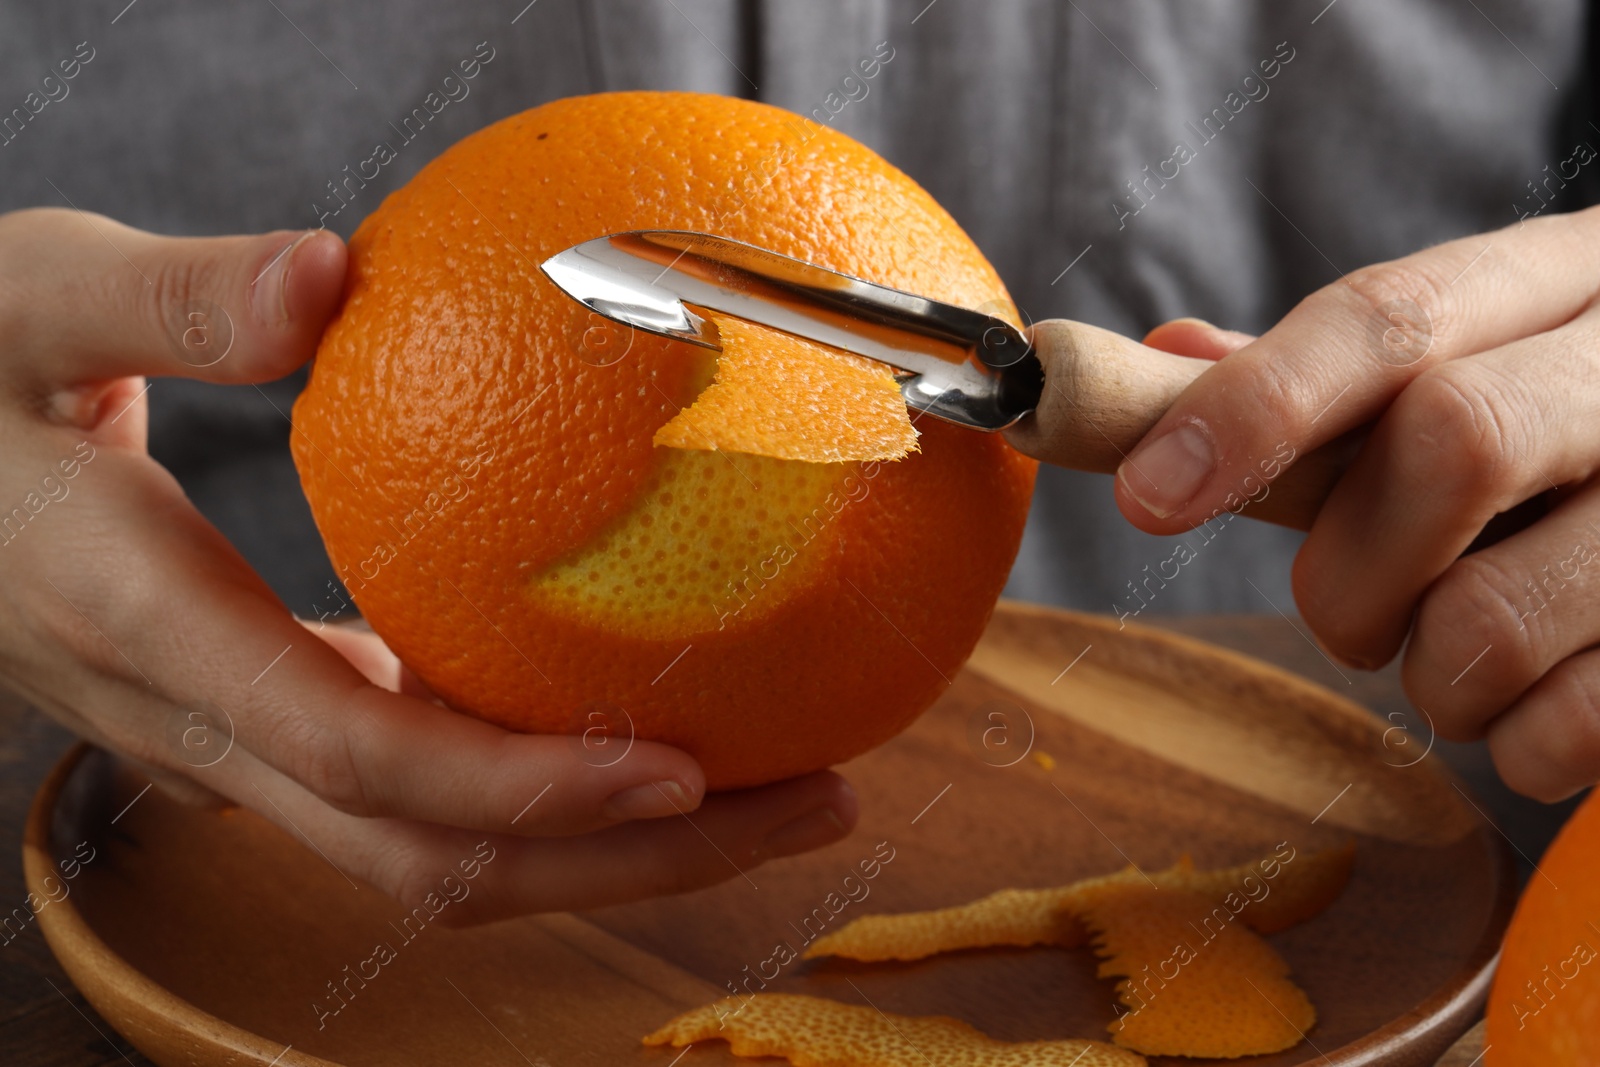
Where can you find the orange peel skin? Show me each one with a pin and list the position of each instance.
(1010, 917)
(1295, 890)
(781, 396)
(813, 1032)
(1195, 982)
(1301, 888)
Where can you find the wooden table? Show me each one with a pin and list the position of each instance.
(45, 1023)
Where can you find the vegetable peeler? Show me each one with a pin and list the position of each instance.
(956, 364)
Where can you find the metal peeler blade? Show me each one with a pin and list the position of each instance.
(954, 363)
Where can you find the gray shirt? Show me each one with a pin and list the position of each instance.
(1121, 162)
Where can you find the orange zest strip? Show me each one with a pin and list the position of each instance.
(1194, 981)
(812, 1032)
(1269, 894)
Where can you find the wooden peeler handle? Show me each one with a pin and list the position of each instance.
(1103, 393)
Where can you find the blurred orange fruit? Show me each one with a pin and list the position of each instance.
(532, 509)
(1544, 1006)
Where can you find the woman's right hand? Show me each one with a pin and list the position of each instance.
(127, 617)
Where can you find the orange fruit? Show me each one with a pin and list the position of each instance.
(1544, 1006)
(765, 586)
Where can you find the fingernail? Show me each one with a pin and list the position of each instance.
(654, 800)
(1166, 474)
(811, 830)
(269, 290)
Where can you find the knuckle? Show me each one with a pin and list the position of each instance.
(1456, 434)
(673, 869)
(1412, 280)
(1478, 602)
(52, 623)
(1403, 304)
(410, 871)
(404, 874)
(330, 770)
(1282, 403)
(61, 627)
(175, 282)
(1549, 765)
(111, 611)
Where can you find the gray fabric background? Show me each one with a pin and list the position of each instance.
(1395, 125)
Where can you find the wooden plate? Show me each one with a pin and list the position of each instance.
(1067, 747)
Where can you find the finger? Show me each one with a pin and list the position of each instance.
(1503, 617)
(1463, 443)
(732, 835)
(374, 753)
(1340, 357)
(181, 787)
(727, 839)
(1196, 339)
(363, 650)
(178, 613)
(85, 298)
(115, 411)
(1547, 746)
(367, 653)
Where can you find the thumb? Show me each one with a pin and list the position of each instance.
(92, 299)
